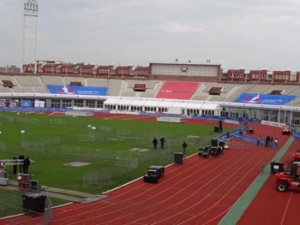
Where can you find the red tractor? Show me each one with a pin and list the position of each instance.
(289, 179)
(296, 156)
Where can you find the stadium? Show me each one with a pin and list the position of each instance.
(191, 89)
(167, 94)
(88, 130)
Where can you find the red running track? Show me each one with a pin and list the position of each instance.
(271, 207)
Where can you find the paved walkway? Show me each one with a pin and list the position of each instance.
(68, 195)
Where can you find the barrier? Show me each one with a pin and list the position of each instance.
(274, 124)
(169, 119)
(78, 113)
(14, 162)
(11, 203)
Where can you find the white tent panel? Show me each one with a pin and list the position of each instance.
(151, 103)
(194, 105)
(175, 110)
(164, 104)
(111, 101)
(179, 104)
(210, 106)
(173, 106)
(136, 103)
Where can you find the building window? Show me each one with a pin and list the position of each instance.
(66, 103)
(78, 102)
(55, 103)
(99, 104)
(90, 103)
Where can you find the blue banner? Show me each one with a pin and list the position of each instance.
(265, 99)
(26, 103)
(76, 90)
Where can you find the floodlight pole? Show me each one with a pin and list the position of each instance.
(22, 136)
(30, 15)
(89, 129)
(93, 131)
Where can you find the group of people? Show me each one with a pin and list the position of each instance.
(23, 163)
(162, 144)
(269, 141)
(155, 142)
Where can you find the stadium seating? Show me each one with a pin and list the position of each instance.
(177, 90)
(153, 88)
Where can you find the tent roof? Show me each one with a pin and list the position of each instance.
(162, 103)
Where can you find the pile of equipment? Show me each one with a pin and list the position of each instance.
(25, 183)
(216, 148)
(154, 173)
(178, 157)
(3, 177)
(286, 131)
(33, 203)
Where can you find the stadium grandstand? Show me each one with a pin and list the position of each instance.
(176, 89)
(226, 191)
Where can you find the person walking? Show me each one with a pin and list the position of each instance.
(15, 166)
(154, 143)
(162, 142)
(26, 164)
(184, 146)
(227, 134)
(21, 162)
(258, 141)
(276, 142)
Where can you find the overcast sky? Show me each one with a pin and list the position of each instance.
(248, 34)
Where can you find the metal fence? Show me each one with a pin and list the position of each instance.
(12, 204)
(118, 161)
